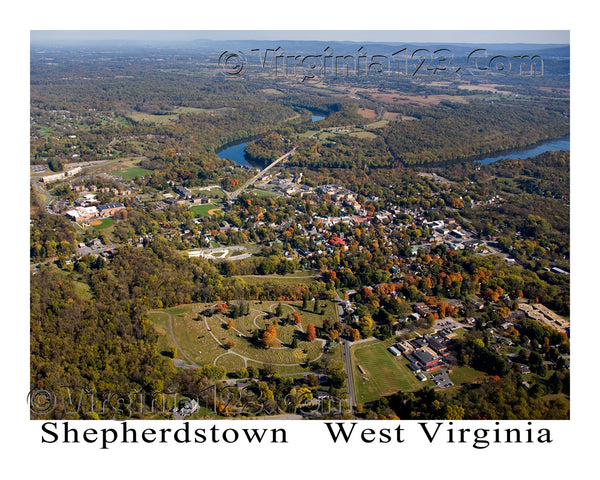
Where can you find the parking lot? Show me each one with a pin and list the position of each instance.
(447, 322)
(441, 379)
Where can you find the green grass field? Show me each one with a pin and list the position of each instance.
(45, 132)
(202, 210)
(191, 110)
(308, 133)
(160, 322)
(264, 193)
(363, 134)
(197, 110)
(303, 278)
(377, 124)
(132, 172)
(387, 374)
(215, 192)
(466, 374)
(230, 362)
(105, 223)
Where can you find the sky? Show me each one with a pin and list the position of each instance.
(424, 36)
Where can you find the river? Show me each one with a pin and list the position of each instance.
(548, 146)
(237, 152)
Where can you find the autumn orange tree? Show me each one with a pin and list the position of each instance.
(269, 336)
(221, 307)
(297, 318)
(311, 332)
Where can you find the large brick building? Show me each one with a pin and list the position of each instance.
(81, 214)
(109, 209)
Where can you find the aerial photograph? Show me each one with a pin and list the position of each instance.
(299, 225)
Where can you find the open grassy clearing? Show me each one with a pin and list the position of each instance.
(367, 113)
(264, 193)
(205, 210)
(363, 134)
(309, 133)
(272, 91)
(132, 172)
(461, 375)
(205, 339)
(292, 279)
(386, 374)
(81, 287)
(230, 362)
(377, 124)
(191, 110)
(142, 117)
(104, 223)
(198, 110)
(160, 322)
(486, 87)
(83, 290)
(172, 115)
(353, 131)
(216, 192)
(416, 100)
(45, 131)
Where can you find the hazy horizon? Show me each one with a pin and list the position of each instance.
(539, 37)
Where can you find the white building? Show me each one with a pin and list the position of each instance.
(81, 214)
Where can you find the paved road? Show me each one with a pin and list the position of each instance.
(348, 368)
(346, 356)
(49, 198)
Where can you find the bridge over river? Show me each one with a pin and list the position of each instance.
(260, 174)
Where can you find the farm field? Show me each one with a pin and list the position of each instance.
(363, 134)
(203, 336)
(196, 110)
(150, 118)
(386, 374)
